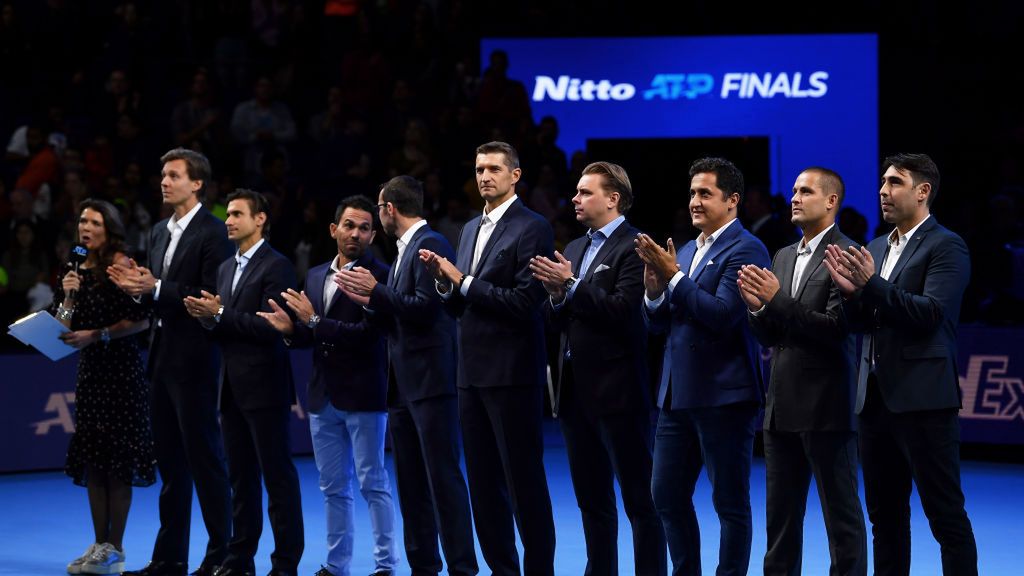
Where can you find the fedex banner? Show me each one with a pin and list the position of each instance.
(814, 97)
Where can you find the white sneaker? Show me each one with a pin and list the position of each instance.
(105, 559)
(75, 567)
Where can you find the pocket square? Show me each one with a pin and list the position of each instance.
(601, 268)
(710, 262)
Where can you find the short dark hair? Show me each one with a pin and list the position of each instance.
(728, 177)
(357, 201)
(615, 180)
(196, 165)
(405, 193)
(921, 167)
(831, 182)
(257, 203)
(496, 147)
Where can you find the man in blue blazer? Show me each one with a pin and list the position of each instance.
(186, 250)
(257, 391)
(502, 365)
(904, 293)
(603, 403)
(347, 390)
(711, 385)
(422, 405)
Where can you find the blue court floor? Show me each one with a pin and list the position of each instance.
(44, 523)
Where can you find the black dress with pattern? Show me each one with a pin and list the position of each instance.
(112, 429)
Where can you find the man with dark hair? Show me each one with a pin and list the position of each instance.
(186, 250)
(711, 385)
(602, 402)
(256, 390)
(808, 425)
(422, 405)
(904, 293)
(347, 390)
(502, 368)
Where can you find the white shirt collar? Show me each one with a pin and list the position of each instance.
(334, 265)
(897, 239)
(710, 238)
(183, 222)
(809, 246)
(407, 237)
(499, 211)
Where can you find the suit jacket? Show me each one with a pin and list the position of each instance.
(256, 363)
(182, 351)
(421, 333)
(501, 329)
(912, 319)
(603, 327)
(349, 354)
(711, 357)
(813, 377)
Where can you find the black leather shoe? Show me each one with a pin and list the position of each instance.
(226, 571)
(205, 571)
(160, 568)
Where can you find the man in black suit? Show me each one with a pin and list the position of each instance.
(809, 429)
(347, 390)
(422, 406)
(904, 292)
(186, 250)
(256, 389)
(502, 365)
(603, 402)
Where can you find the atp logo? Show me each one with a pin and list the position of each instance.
(59, 404)
(989, 393)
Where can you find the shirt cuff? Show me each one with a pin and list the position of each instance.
(653, 304)
(759, 311)
(156, 291)
(675, 280)
(464, 289)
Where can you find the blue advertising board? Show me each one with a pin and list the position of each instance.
(815, 97)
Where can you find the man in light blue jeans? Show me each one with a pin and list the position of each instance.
(347, 390)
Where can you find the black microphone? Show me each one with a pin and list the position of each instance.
(77, 257)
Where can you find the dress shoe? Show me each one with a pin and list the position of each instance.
(160, 568)
(205, 570)
(382, 573)
(228, 571)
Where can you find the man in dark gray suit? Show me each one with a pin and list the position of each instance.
(904, 292)
(808, 426)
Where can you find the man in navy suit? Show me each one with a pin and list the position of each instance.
(347, 390)
(711, 387)
(256, 389)
(809, 427)
(603, 402)
(422, 405)
(502, 365)
(186, 250)
(904, 293)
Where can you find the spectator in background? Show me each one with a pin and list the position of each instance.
(763, 221)
(196, 122)
(261, 124)
(26, 264)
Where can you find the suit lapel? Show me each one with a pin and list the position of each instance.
(912, 245)
(250, 268)
(156, 261)
(606, 248)
(393, 274)
(816, 259)
(187, 237)
(574, 253)
(499, 228)
(727, 239)
(315, 289)
(685, 256)
(786, 268)
(467, 241)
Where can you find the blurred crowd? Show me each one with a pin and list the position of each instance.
(309, 101)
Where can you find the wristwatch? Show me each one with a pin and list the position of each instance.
(570, 281)
(313, 321)
(104, 335)
(216, 317)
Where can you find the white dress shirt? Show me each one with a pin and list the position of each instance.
(487, 225)
(176, 228)
(897, 243)
(404, 241)
(242, 260)
(704, 243)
